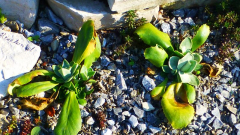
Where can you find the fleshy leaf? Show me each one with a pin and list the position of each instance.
(69, 122)
(189, 66)
(65, 64)
(82, 102)
(93, 56)
(201, 36)
(159, 90)
(33, 88)
(189, 78)
(152, 36)
(197, 57)
(155, 55)
(184, 59)
(190, 91)
(26, 78)
(36, 130)
(166, 69)
(173, 62)
(179, 114)
(86, 43)
(186, 45)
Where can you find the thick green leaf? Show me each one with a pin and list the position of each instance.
(188, 78)
(179, 114)
(198, 67)
(166, 69)
(201, 36)
(152, 36)
(184, 59)
(69, 122)
(156, 56)
(197, 57)
(65, 74)
(173, 62)
(189, 66)
(36, 130)
(186, 45)
(26, 78)
(86, 43)
(55, 69)
(33, 88)
(65, 64)
(158, 91)
(190, 91)
(93, 56)
(82, 102)
(70, 86)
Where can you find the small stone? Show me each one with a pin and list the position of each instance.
(166, 28)
(139, 112)
(147, 106)
(46, 27)
(216, 113)
(231, 109)
(90, 121)
(104, 60)
(53, 17)
(192, 13)
(40, 95)
(55, 44)
(65, 56)
(142, 127)
(200, 109)
(112, 67)
(100, 101)
(14, 109)
(47, 39)
(111, 122)
(232, 119)
(84, 113)
(179, 13)
(133, 120)
(217, 123)
(220, 98)
(28, 33)
(154, 130)
(120, 82)
(120, 100)
(148, 83)
(104, 42)
(126, 113)
(206, 59)
(106, 131)
(117, 111)
(13, 25)
(190, 21)
(237, 126)
(225, 94)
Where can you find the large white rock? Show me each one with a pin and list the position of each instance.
(23, 10)
(125, 5)
(75, 12)
(17, 56)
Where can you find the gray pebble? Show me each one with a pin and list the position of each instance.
(99, 102)
(142, 127)
(139, 112)
(154, 130)
(53, 17)
(120, 82)
(148, 83)
(133, 120)
(47, 39)
(232, 119)
(200, 109)
(90, 121)
(104, 61)
(55, 44)
(46, 27)
(166, 27)
(84, 113)
(189, 21)
(237, 126)
(112, 67)
(106, 131)
(217, 123)
(117, 111)
(216, 112)
(111, 122)
(179, 13)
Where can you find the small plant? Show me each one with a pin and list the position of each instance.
(181, 63)
(67, 79)
(3, 19)
(11, 126)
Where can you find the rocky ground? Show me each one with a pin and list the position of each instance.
(121, 98)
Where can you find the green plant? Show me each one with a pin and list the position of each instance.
(181, 63)
(36, 37)
(12, 125)
(3, 19)
(67, 79)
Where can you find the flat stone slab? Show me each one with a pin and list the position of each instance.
(17, 56)
(23, 10)
(75, 12)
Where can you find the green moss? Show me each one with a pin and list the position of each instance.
(3, 19)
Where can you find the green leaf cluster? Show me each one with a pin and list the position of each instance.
(68, 79)
(179, 95)
(3, 19)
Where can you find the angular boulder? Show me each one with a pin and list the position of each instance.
(17, 56)
(75, 12)
(23, 10)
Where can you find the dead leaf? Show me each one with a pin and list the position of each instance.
(38, 103)
(50, 111)
(150, 71)
(212, 71)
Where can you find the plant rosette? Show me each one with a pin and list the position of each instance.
(68, 80)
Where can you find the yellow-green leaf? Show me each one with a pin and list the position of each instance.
(155, 55)
(69, 122)
(201, 36)
(33, 88)
(86, 43)
(158, 91)
(26, 78)
(179, 114)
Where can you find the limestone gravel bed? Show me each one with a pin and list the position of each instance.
(122, 96)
